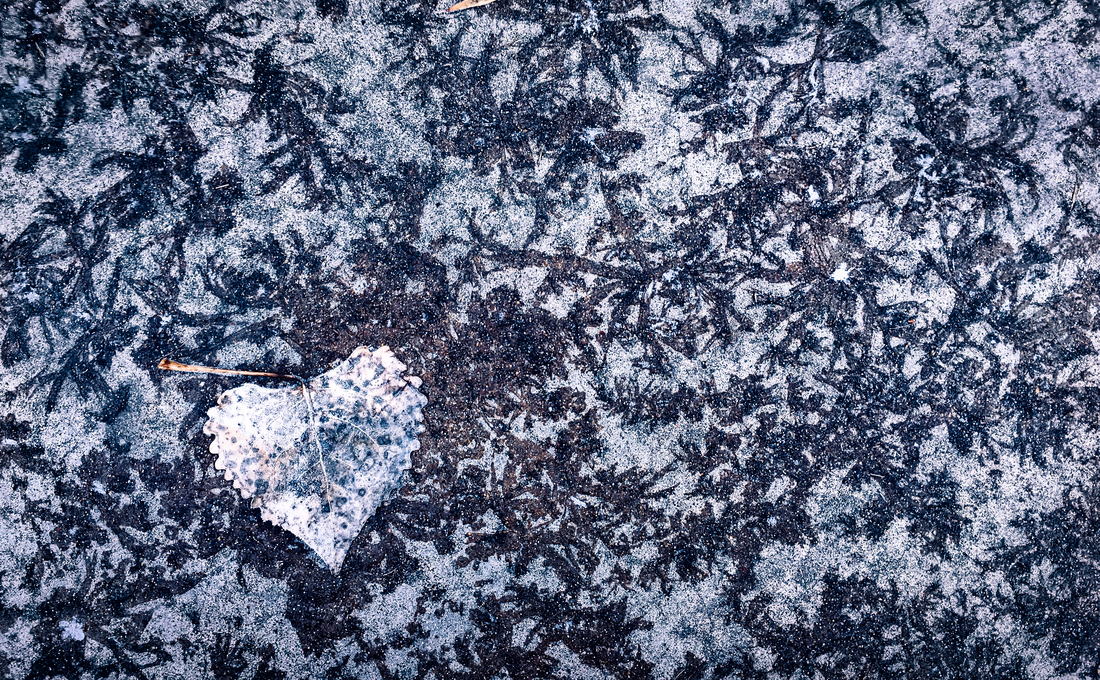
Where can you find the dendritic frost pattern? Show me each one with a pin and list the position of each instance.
(759, 337)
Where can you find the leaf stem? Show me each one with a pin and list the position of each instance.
(169, 365)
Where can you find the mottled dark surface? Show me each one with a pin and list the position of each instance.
(759, 339)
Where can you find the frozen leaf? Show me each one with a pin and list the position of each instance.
(319, 458)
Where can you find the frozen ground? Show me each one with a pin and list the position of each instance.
(760, 340)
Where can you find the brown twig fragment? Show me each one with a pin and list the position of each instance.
(467, 4)
(169, 365)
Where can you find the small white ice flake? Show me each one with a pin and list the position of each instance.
(841, 273)
(98, 487)
(925, 162)
(72, 630)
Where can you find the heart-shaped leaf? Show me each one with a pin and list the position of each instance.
(319, 458)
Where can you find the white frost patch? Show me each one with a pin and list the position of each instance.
(387, 615)
(625, 448)
(72, 630)
(779, 487)
(792, 577)
(168, 625)
(689, 619)
(229, 597)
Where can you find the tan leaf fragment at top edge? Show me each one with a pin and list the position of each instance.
(467, 4)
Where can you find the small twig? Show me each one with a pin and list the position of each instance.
(169, 365)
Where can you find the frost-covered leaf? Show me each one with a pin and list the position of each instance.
(319, 458)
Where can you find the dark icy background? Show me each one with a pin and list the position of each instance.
(760, 340)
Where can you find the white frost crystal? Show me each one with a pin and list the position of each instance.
(72, 630)
(318, 459)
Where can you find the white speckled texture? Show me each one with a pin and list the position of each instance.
(760, 338)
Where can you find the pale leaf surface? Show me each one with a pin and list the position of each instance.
(319, 458)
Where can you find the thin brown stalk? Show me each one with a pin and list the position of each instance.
(169, 365)
(467, 4)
